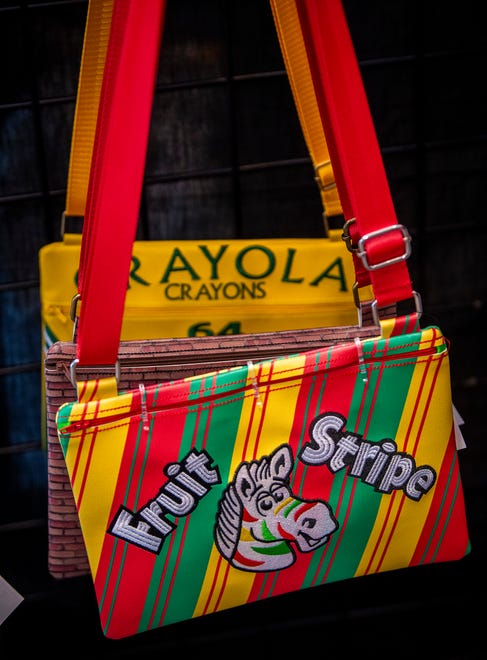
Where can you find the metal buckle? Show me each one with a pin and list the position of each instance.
(72, 313)
(67, 220)
(361, 252)
(358, 304)
(356, 298)
(319, 180)
(418, 305)
(74, 305)
(63, 223)
(346, 236)
(74, 364)
(330, 231)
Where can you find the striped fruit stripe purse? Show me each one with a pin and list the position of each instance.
(215, 491)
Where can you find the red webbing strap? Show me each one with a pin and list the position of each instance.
(354, 150)
(116, 176)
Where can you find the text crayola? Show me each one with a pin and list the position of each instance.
(252, 264)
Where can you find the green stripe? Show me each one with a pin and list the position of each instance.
(383, 414)
(198, 543)
(303, 437)
(117, 583)
(48, 336)
(63, 415)
(271, 576)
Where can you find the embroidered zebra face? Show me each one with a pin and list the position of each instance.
(259, 520)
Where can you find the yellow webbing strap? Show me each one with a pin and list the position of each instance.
(293, 50)
(95, 43)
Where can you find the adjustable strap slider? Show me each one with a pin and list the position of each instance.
(362, 252)
(333, 226)
(71, 224)
(324, 176)
(74, 366)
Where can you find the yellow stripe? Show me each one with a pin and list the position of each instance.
(279, 414)
(434, 437)
(101, 475)
(101, 388)
(96, 410)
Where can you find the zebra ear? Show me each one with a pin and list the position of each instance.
(244, 483)
(281, 462)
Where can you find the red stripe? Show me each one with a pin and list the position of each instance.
(352, 143)
(213, 584)
(349, 501)
(137, 567)
(162, 581)
(128, 598)
(337, 397)
(117, 174)
(87, 468)
(261, 402)
(391, 531)
(84, 437)
(211, 405)
(202, 389)
(249, 426)
(292, 577)
(82, 390)
(421, 396)
(371, 405)
(169, 553)
(341, 529)
(111, 558)
(305, 410)
(454, 541)
(222, 590)
(130, 466)
(259, 590)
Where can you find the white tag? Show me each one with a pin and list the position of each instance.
(457, 422)
(9, 599)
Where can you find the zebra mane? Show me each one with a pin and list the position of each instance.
(228, 522)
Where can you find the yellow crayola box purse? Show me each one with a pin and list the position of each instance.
(211, 287)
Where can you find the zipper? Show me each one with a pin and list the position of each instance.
(199, 351)
(59, 312)
(56, 363)
(62, 311)
(248, 387)
(204, 321)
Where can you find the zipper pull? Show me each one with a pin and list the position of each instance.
(56, 310)
(255, 383)
(143, 406)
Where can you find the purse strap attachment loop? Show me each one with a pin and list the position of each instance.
(362, 252)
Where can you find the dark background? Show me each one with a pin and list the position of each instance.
(227, 159)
